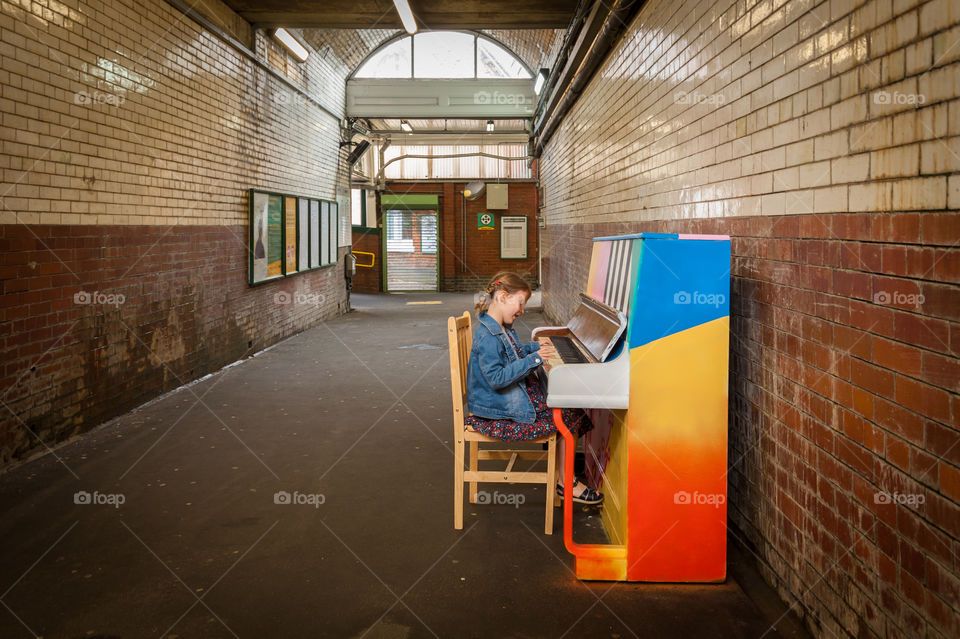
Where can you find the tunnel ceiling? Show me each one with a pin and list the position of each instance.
(536, 47)
(350, 30)
(430, 14)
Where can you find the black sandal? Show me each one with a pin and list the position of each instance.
(589, 496)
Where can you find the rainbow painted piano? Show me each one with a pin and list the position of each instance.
(659, 401)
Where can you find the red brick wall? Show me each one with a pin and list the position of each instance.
(467, 261)
(843, 391)
(125, 171)
(95, 320)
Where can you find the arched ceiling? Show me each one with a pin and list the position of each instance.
(536, 47)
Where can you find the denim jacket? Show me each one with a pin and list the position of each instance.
(495, 387)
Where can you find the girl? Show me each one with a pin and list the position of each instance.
(504, 394)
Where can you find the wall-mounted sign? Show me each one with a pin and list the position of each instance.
(513, 237)
(486, 222)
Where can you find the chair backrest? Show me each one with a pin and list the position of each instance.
(460, 340)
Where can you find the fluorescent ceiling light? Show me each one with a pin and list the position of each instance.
(541, 80)
(406, 126)
(489, 126)
(292, 44)
(406, 15)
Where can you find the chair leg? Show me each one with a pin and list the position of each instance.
(474, 466)
(551, 483)
(458, 485)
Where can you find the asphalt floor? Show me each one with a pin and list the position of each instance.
(307, 492)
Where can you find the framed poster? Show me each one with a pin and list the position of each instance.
(290, 234)
(314, 233)
(324, 233)
(331, 235)
(334, 231)
(513, 237)
(266, 236)
(303, 233)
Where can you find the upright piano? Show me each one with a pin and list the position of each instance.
(647, 350)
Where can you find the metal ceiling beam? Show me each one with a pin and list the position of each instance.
(380, 14)
(597, 39)
(447, 138)
(500, 98)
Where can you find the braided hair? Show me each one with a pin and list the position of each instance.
(503, 281)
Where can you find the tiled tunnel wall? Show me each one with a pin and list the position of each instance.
(824, 137)
(130, 136)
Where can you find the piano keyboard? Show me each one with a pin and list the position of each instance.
(566, 350)
(558, 350)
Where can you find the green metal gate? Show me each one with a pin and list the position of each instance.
(411, 241)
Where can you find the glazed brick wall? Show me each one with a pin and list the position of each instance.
(468, 262)
(836, 400)
(95, 320)
(131, 113)
(823, 137)
(131, 136)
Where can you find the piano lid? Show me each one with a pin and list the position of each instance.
(597, 326)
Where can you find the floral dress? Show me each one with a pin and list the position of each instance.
(575, 419)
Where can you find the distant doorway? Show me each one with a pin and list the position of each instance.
(411, 249)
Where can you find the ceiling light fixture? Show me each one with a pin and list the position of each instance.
(406, 126)
(489, 126)
(540, 81)
(406, 16)
(291, 44)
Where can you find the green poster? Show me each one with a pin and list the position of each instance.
(274, 235)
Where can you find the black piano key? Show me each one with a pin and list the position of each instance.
(567, 351)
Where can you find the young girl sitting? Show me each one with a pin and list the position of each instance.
(504, 394)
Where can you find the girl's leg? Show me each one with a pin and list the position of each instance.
(578, 487)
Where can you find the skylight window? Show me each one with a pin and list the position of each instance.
(443, 54)
(391, 61)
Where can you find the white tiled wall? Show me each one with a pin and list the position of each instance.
(129, 112)
(765, 108)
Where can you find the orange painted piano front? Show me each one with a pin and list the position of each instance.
(659, 402)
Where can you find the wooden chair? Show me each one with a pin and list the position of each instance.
(460, 337)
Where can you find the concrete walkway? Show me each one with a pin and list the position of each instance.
(352, 420)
